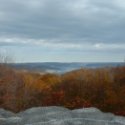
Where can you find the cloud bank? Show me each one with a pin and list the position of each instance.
(82, 25)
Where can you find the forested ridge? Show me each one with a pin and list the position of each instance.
(103, 88)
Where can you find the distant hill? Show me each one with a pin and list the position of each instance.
(55, 67)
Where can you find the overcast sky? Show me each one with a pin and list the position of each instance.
(63, 30)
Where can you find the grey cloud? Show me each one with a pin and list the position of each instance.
(81, 21)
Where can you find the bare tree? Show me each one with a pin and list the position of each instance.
(4, 58)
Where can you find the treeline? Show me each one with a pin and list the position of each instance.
(103, 88)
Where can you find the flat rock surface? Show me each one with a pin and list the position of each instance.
(59, 116)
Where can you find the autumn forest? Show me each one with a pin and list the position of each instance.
(103, 88)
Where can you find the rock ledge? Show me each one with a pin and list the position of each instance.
(59, 116)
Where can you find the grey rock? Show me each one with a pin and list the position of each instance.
(60, 116)
(5, 114)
